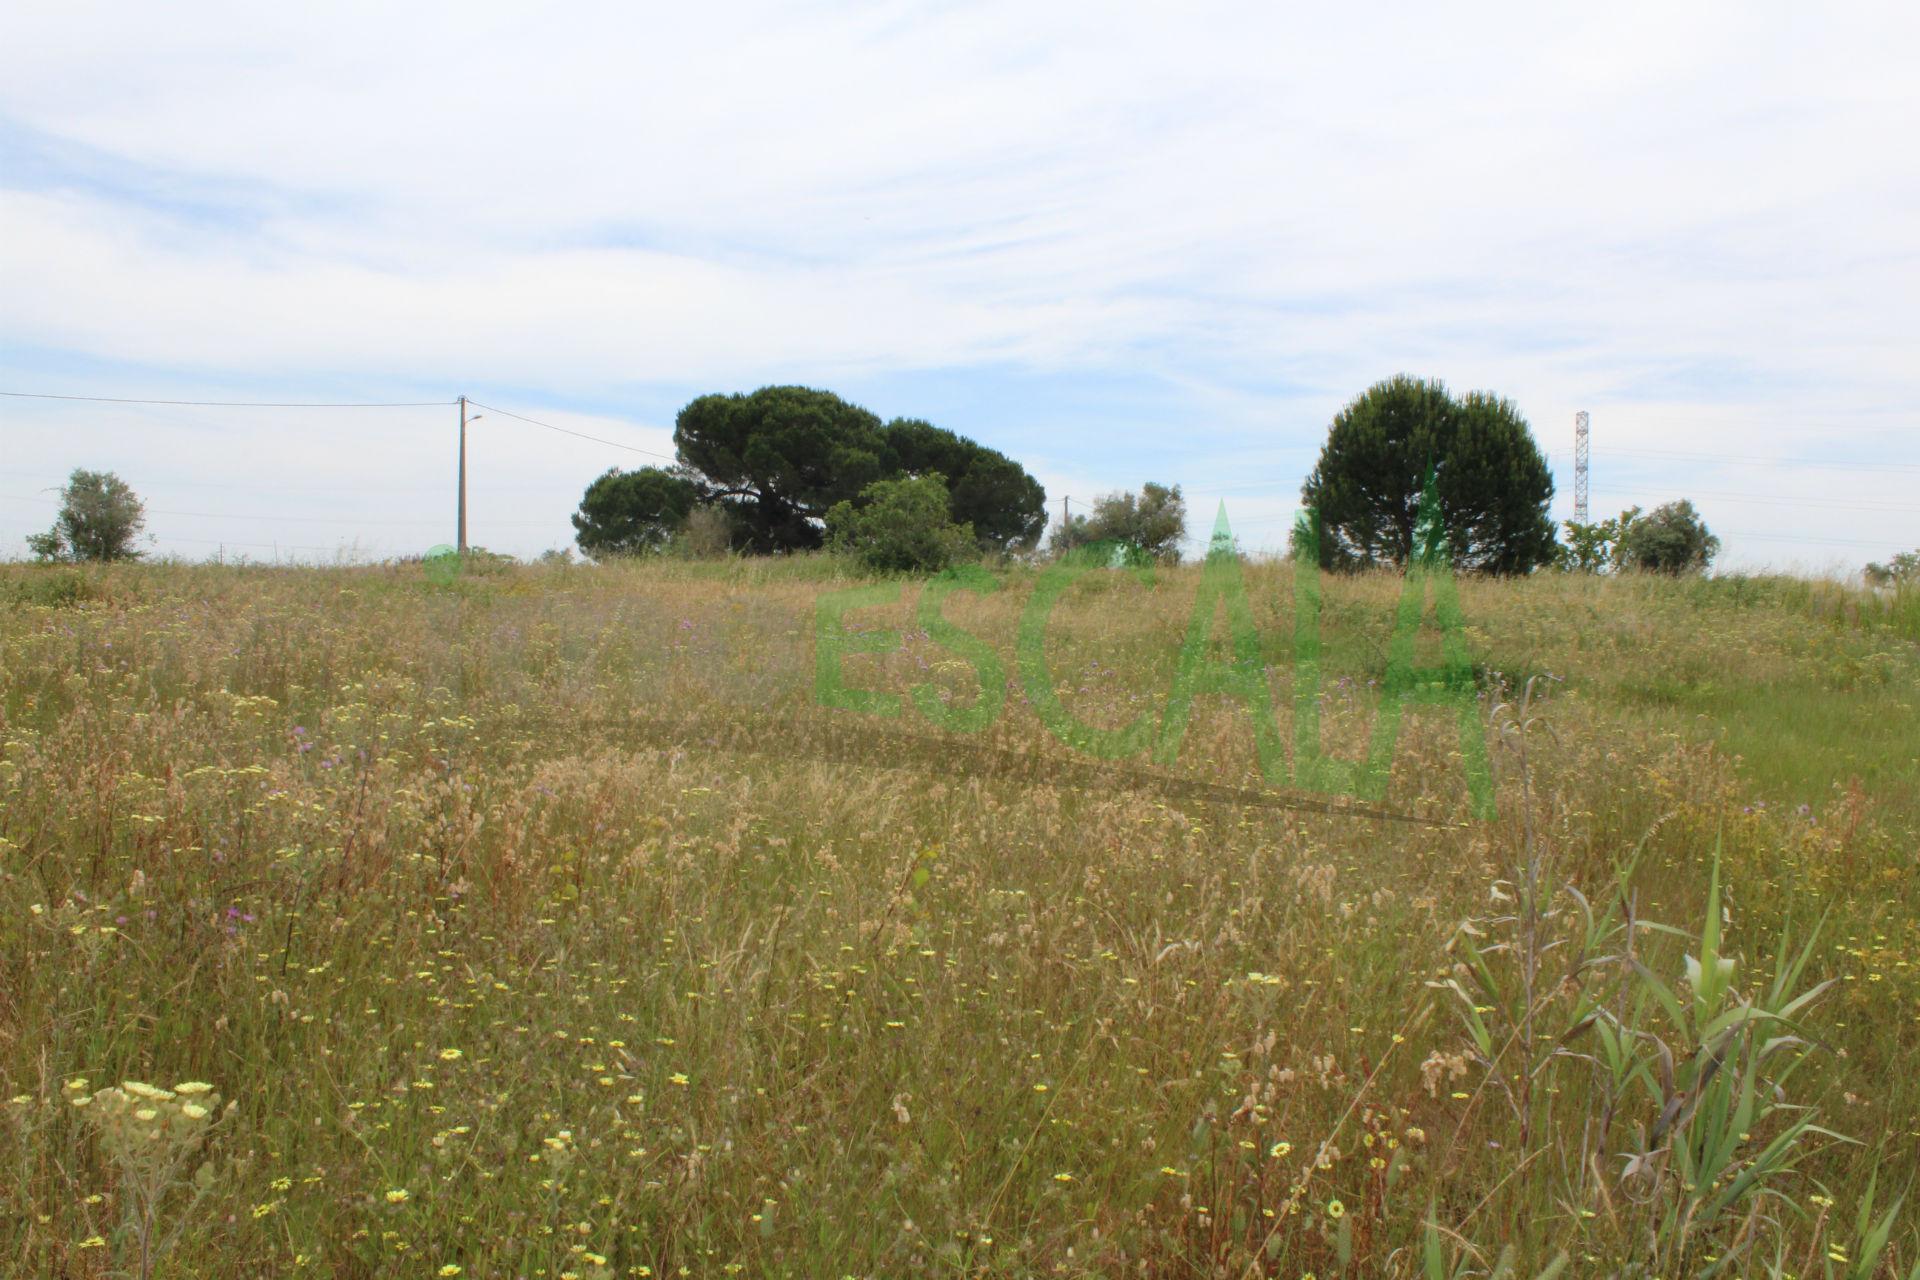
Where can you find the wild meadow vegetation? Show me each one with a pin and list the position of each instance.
(540, 924)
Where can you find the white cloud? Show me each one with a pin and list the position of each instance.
(1687, 220)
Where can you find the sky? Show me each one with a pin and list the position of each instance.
(1119, 242)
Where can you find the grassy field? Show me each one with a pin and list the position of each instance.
(540, 924)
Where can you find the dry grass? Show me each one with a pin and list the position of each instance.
(551, 901)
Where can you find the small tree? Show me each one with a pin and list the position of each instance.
(632, 512)
(100, 519)
(1492, 482)
(1903, 570)
(1590, 548)
(1154, 521)
(901, 526)
(1670, 539)
(706, 533)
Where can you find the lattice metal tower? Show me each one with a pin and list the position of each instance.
(1580, 466)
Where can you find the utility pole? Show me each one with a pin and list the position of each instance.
(1066, 517)
(463, 477)
(1580, 466)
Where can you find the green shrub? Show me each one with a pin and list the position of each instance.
(1671, 539)
(48, 588)
(706, 534)
(901, 526)
(1154, 522)
(1902, 570)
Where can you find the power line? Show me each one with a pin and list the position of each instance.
(386, 491)
(1798, 537)
(235, 515)
(1825, 463)
(1770, 462)
(1253, 520)
(1835, 504)
(568, 431)
(280, 546)
(236, 404)
(505, 413)
(1216, 491)
(1869, 505)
